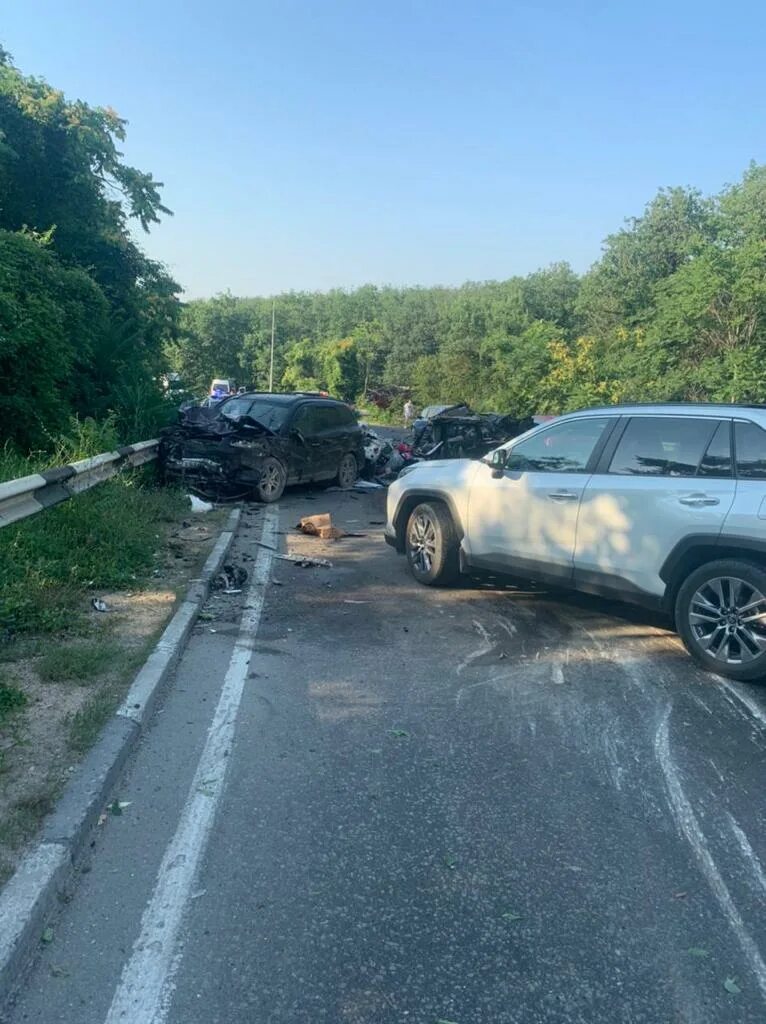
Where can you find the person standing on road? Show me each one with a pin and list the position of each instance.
(409, 413)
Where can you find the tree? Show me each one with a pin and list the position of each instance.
(52, 319)
(620, 289)
(64, 185)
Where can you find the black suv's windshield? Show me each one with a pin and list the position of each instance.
(272, 415)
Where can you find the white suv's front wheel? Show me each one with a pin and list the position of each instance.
(431, 544)
(721, 618)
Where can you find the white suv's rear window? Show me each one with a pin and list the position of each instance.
(750, 441)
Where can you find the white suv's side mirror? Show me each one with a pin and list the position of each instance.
(497, 462)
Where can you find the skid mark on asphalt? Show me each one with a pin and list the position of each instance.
(689, 827)
(751, 858)
(756, 711)
(145, 990)
(485, 647)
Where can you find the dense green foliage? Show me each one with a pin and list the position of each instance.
(674, 309)
(84, 315)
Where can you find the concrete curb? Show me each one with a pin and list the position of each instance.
(44, 872)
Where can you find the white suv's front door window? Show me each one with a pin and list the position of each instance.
(529, 514)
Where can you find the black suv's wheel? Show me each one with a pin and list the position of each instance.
(431, 545)
(272, 481)
(348, 471)
(721, 617)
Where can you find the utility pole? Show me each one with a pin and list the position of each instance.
(271, 365)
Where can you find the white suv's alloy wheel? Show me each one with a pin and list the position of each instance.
(727, 617)
(422, 542)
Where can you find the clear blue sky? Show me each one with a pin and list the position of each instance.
(327, 143)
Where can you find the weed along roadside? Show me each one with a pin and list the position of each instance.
(85, 590)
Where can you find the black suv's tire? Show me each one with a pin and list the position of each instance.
(431, 545)
(272, 481)
(717, 611)
(348, 471)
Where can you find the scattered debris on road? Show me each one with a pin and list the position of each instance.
(198, 505)
(383, 458)
(116, 807)
(321, 526)
(230, 579)
(306, 562)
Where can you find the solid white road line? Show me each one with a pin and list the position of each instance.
(689, 826)
(143, 994)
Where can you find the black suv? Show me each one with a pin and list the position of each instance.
(260, 442)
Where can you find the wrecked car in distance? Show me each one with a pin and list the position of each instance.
(456, 432)
(257, 443)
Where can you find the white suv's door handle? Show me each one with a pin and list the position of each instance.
(563, 496)
(699, 500)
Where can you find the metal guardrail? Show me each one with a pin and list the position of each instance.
(22, 498)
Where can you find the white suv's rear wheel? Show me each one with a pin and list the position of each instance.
(721, 617)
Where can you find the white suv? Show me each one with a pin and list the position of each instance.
(664, 505)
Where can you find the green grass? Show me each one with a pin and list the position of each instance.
(27, 814)
(11, 698)
(108, 537)
(86, 724)
(79, 662)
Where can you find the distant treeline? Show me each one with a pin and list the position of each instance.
(674, 309)
(85, 316)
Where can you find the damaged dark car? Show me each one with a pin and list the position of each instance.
(254, 445)
(456, 432)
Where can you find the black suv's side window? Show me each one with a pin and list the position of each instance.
(750, 442)
(307, 420)
(662, 446)
(344, 416)
(332, 417)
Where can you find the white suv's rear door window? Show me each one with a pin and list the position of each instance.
(662, 446)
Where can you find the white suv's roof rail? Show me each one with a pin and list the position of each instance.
(676, 408)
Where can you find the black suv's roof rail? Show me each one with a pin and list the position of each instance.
(291, 394)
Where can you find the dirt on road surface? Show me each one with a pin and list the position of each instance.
(370, 802)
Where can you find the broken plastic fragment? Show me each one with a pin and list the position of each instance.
(198, 505)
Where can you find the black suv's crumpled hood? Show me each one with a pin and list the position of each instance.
(199, 421)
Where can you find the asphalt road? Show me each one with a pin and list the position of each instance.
(482, 806)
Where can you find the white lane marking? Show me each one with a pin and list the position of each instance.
(689, 826)
(557, 673)
(485, 647)
(142, 996)
(748, 853)
(758, 713)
